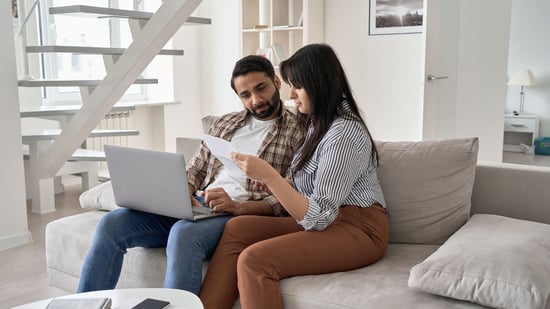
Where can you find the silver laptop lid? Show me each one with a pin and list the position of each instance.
(150, 181)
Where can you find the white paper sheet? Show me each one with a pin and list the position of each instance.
(222, 149)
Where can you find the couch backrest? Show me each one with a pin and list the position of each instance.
(512, 190)
(427, 186)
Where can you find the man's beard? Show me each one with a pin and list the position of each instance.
(273, 104)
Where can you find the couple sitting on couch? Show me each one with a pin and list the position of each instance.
(336, 211)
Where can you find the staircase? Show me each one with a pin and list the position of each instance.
(54, 152)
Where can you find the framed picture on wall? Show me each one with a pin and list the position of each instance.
(14, 8)
(395, 16)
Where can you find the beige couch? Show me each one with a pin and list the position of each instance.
(448, 244)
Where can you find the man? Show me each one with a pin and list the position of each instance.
(265, 128)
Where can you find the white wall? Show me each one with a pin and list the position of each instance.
(386, 73)
(220, 49)
(530, 48)
(13, 210)
(202, 75)
(385, 80)
(384, 70)
(482, 53)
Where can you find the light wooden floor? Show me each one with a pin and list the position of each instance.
(526, 159)
(23, 269)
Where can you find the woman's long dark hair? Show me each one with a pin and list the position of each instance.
(316, 69)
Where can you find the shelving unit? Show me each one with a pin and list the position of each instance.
(285, 24)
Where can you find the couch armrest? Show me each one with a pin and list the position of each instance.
(512, 190)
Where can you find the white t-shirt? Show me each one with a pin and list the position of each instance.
(248, 140)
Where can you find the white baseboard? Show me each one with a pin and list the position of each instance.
(15, 240)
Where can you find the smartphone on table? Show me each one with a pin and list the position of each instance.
(151, 303)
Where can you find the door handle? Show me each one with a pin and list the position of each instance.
(431, 77)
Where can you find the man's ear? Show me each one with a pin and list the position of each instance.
(277, 82)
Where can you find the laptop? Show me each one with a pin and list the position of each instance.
(154, 182)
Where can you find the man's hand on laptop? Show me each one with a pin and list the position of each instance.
(219, 200)
(195, 202)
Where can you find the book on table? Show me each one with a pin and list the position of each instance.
(79, 303)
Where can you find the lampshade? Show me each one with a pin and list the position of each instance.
(522, 77)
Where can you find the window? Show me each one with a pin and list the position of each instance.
(70, 30)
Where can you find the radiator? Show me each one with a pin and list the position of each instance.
(120, 120)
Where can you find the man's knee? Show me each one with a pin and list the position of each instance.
(113, 220)
(182, 228)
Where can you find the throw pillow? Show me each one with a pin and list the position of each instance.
(492, 260)
(99, 197)
(427, 186)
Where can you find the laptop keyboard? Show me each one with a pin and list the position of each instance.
(201, 210)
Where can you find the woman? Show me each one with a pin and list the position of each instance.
(338, 221)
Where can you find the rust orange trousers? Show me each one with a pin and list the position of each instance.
(256, 252)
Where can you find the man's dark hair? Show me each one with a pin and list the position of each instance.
(252, 63)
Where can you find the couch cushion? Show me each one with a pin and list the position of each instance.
(99, 197)
(492, 260)
(381, 285)
(67, 241)
(427, 186)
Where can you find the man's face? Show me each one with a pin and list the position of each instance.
(259, 94)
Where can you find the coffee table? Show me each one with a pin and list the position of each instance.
(126, 298)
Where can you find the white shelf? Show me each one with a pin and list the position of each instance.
(91, 50)
(94, 11)
(282, 27)
(74, 83)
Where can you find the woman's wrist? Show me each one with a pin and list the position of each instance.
(273, 178)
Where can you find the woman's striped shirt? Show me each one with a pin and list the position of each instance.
(340, 172)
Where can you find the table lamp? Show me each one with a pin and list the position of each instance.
(522, 77)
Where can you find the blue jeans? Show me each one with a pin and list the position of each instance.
(187, 244)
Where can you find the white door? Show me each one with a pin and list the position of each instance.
(441, 18)
(466, 52)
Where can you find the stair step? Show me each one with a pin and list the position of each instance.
(91, 50)
(80, 154)
(95, 11)
(74, 83)
(51, 134)
(64, 110)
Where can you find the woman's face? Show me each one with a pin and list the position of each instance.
(301, 99)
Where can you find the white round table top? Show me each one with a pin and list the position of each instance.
(127, 298)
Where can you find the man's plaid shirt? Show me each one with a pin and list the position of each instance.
(282, 140)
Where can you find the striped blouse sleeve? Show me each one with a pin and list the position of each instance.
(338, 164)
